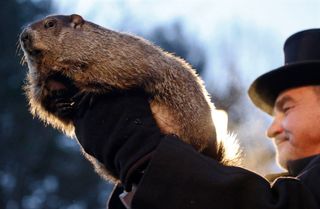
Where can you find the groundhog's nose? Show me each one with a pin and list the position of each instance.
(25, 36)
(27, 44)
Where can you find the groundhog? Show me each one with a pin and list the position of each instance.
(67, 55)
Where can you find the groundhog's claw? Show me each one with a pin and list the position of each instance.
(64, 108)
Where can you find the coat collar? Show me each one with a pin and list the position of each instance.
(297, 167)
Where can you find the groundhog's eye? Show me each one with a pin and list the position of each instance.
(50, 23)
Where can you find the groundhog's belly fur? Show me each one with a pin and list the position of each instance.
(95, 59)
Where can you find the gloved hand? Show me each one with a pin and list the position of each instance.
(119, 130)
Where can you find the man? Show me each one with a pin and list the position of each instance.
(291, 95)
(164, 173)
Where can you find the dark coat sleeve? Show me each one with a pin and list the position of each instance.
(178, 177)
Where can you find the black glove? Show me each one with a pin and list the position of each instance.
(119, 130)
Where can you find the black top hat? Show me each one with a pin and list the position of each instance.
(302, 68)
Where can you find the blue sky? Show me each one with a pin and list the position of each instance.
(285, 16)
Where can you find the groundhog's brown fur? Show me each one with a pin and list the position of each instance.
(97, 59)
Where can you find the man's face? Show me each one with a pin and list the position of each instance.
(296, 124)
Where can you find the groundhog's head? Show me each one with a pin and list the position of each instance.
(52, 48)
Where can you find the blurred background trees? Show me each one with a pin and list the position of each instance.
(39, 167)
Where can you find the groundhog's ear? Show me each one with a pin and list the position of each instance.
(76, 21)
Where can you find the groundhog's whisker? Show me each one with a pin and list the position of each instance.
(19, 52)
(18, 48)
(23, 60)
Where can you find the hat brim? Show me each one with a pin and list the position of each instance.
(265, 89)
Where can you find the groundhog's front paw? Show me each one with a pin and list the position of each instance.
(60, 104)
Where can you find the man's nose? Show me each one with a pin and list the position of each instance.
(275, 128)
